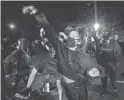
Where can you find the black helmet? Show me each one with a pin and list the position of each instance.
(106, 32)
(68, 29)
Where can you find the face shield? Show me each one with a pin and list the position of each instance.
(76, 37)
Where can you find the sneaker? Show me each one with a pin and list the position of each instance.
(24, 94)
(17, 95)
(115, 95)
(105, 92)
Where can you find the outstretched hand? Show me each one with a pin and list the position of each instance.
(29, 10)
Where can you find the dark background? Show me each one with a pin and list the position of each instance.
(59, 13)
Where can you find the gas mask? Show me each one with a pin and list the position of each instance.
(73, 39)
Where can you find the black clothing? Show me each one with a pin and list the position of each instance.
(60, 48)
(38, 48)
(61, 54)
(15, 61)
(75, 91)
(121, 45)
(42, 60)
(16, 65)
(104, 60)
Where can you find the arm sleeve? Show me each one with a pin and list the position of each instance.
(42, 20)
(59, 47)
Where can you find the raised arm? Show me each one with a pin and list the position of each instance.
(59, 47)
(42, 20)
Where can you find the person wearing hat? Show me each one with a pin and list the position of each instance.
(73, 82)
(104, 58)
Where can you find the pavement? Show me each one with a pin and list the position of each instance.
(94, 89)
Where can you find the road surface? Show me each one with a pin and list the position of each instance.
(95, 89)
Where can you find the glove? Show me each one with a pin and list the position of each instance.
(29, 10)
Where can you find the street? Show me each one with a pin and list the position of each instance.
(94, 91)
(95, 88)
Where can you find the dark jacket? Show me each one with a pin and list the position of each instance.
(59, 47)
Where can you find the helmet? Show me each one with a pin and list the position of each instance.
(68, 29)
(74, 34)
(23, 43)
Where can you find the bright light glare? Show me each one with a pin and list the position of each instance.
(12, 26)
(96, 26)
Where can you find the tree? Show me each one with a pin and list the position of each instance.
(109, 14)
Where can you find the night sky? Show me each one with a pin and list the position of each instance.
(59, 14)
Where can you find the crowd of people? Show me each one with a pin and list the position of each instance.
(61, 66)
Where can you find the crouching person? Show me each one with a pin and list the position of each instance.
(46, 66)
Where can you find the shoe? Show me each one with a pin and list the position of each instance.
(104, 92)
(24, 94)
(17, 95)
(115, 95)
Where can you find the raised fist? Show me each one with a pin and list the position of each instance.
(63, 35)
(29, 10)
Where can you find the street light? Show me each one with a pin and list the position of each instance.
(11, 26)
(96, 26)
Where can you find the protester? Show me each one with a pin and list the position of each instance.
(16, 64)
(104, 58)
(75, 83)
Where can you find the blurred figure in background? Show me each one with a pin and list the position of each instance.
(105, 55)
